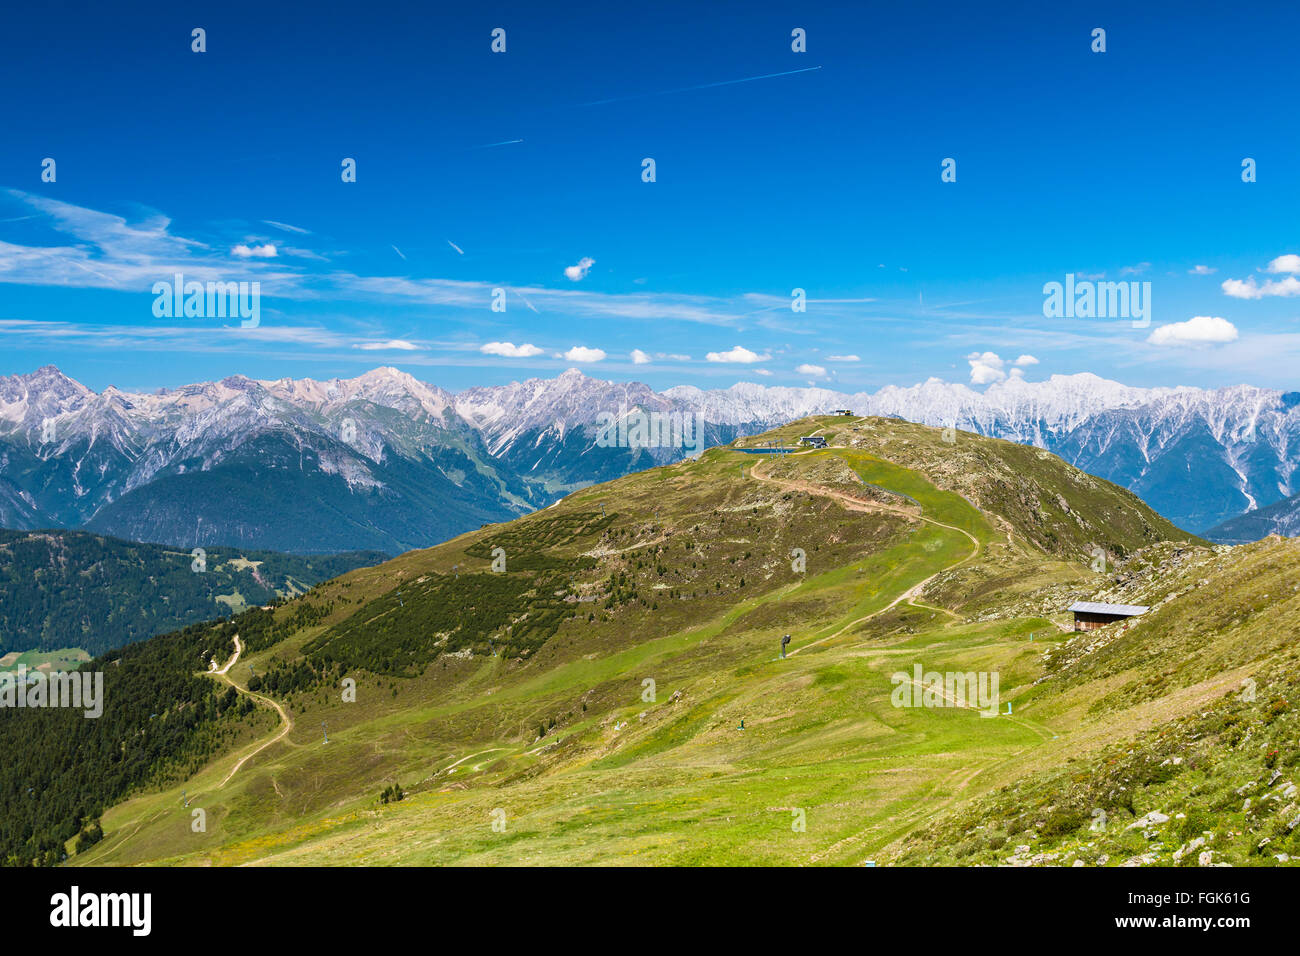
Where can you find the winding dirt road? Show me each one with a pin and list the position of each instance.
(286, 722)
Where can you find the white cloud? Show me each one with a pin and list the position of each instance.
(1026, 360)
(1250, 289)
(579, 271)
(738, 354)
(1198, 330)
(985, 368)
(392, 344)
(1201, 271)
(762, 371)
(99, 250)
(675, 356)
(1017, 373)
(640, 358)
(108, 252)
(843, 358)
(510, 350)
(816, 371)
(1136, 270)
(580, 353)
(243, 251)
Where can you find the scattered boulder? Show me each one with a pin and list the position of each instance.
(1154, 818)
(1187, 848)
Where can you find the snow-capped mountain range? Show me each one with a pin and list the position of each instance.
(1197, 456)
(387, 461)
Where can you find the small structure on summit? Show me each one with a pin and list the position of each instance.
(1089, 615)
(813, 441)
(843, 411)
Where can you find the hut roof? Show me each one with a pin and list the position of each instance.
(1098, 607)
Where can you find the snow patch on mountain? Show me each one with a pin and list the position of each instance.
(1198, 455)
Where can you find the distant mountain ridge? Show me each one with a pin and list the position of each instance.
(1280, 518)
(376, 462)
(1198, 456)
(384, 461)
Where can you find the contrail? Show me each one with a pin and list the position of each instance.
(509, 142)
(73, 262)
(88, 269)
(399, 252)
(527, 302)
(703, 86)
(456, 247)
(286, 227)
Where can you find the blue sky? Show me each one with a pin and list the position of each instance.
(1123, 165)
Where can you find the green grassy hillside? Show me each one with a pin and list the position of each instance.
(1201, 760)
(617, 693)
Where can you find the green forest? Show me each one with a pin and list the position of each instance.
(76, 589)
(162, 720)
